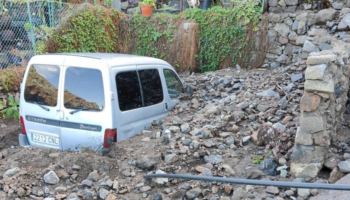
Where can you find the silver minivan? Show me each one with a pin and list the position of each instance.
(90, 100)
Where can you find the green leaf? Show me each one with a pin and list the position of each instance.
(11, 100)
(16, 115)
(8, 113)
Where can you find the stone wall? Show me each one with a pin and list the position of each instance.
(292, 36)
(322, 107)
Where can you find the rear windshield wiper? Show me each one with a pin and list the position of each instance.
(41, 105)
(83, 108)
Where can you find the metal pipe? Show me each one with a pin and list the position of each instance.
(31, 26)
(252, 182)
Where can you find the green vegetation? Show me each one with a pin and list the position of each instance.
(258, 160)
(8, 79)
(92, 30)
(12, 110)
(148, 2)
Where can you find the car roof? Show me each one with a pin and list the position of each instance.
(115, 59)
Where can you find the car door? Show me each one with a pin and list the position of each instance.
(140, 98)
(174, 87)
(85, 110)
(40, 104)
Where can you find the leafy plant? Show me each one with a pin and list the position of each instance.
(12, 110)
(148, 2)
(258, 160)
(8, 79)
(1, 105)
(27, 26)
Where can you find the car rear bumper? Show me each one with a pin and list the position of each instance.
(23, 140)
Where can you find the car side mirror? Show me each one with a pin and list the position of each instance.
(188, 90)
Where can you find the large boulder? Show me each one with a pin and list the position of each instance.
(324, 15)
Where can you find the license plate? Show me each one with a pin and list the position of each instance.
(45, 139)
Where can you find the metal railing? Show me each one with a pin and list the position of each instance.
(25, 25)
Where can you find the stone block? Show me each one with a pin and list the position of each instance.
(308, 154)
(305, 170)
(319, 86)
(321, 139)
(274, 17)
(311, 124)
(303, 138)
(291, 2)
(272, 3)
(301, 40)
(309, 102)
(344, 24)
(315, 72)
(309, 47)
(324, 15)
(282, 29)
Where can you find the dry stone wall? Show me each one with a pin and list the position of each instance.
(322, 107)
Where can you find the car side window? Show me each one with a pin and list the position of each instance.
(83, 88)
(41, 86)
(151, 86)
(128, 89)
(173, 84)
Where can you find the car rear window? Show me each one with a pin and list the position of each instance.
(83, 88)
(41, 86)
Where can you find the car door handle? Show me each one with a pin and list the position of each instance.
(166, 106)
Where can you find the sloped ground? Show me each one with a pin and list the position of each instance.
(234, 118)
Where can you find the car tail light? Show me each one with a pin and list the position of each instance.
(110, 137)
(23, 131)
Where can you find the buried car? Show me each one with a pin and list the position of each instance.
(74, 100)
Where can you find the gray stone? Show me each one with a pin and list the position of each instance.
(320, 86)
(213, 159)
(147, 162)
(303, 138)
(344, 24)
(272, 36)
(263, 108)
(11, 172)
(124, 5)
(206, 172)
(289, 50)
(282, 58)
(330, 24)
(291, 9)
(344, 166)
(280, 128)
(311, 124)
(332, 162)
(185, 128)
(87, 183)
(93, 176)
(291, 2)
(239, 194)
(170, 158)
(295, 25)
(301, 28)
(292, 35)
(302, 17)
(268, 93)
(212, 110)
(272, 190)
(274, 65)
(309, 47)
(324, 15)
(275, 10)
(282, 161)
(346, 156)
(289, 192)
(305, 170)
(282, 3)
(195, 192)
(272, 3)
(145, 188)
(269, 166)
(308, 154)
(275, 49)
(282, 29)
(301, 40)
(332, 194)
(324, 46)
(296, 77)
(271, 56)
(337, 5)
(61, 189)
(315, 72)
(51, 178)
(321, 59)
(103, 193)
(304, 192)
